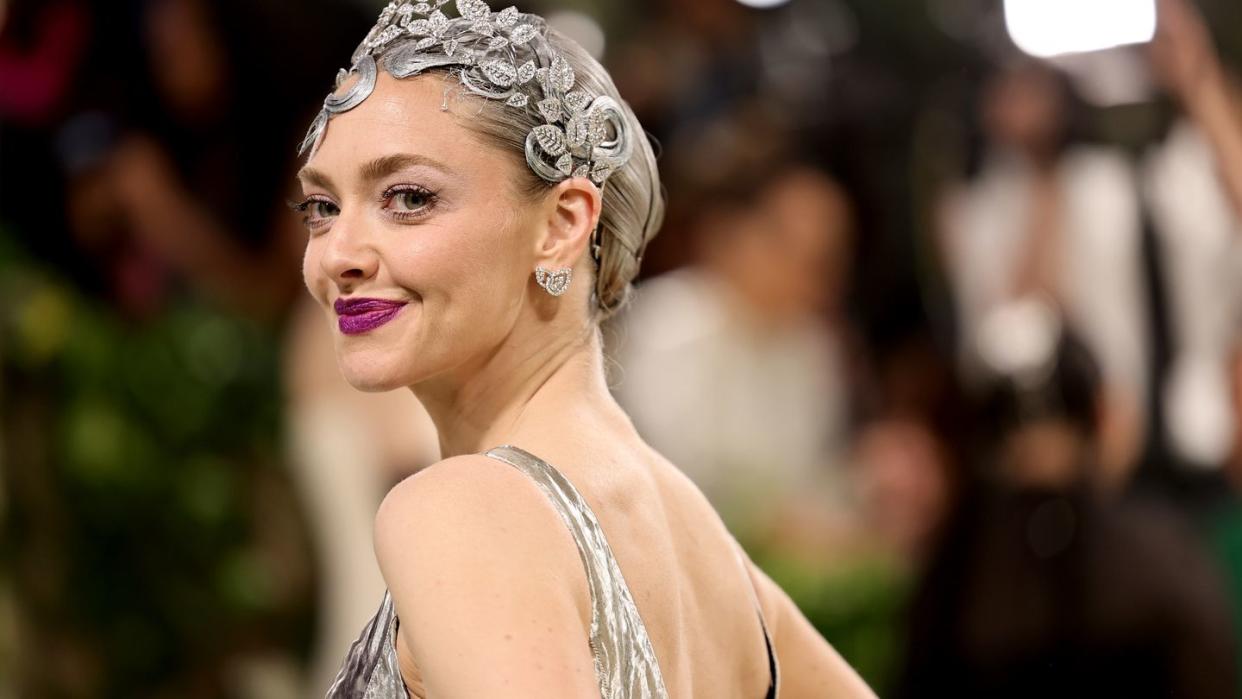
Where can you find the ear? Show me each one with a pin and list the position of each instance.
(571, 212)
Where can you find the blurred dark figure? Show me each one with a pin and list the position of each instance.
(150, 143)
(1042, 587)
(202, 162)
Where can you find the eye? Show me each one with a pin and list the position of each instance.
(321, 209)
(316, 211)
(409, 201)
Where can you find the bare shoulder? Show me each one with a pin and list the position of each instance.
(450, 485)
(472, 501)
(487, 582)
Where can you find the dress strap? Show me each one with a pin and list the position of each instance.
(773, 665)
(625, 663)
(773, 669)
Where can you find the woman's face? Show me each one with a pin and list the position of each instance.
(405, 206)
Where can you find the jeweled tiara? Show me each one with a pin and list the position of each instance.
(503, 56)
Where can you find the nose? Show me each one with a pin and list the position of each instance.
(349, 256)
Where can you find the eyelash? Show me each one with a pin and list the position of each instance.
(311, 222)
(314, 222)
(397, 190)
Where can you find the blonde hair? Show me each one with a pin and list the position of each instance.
(633, 201)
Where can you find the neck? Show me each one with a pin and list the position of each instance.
(519, 387)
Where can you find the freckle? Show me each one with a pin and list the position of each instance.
(508, 637)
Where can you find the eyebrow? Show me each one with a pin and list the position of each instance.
(376, 169)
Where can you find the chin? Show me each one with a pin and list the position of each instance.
(381, 360)
(370, 373)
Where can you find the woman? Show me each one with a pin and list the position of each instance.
(458, 157)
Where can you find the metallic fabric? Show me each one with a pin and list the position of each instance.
(370, 670)
(625, 663)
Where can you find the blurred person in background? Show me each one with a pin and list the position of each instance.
(735, 366)
(1185, 62)
(691, 61)
(1042, 586)
(1046, 218)
(1139, 255)
(198, 176)
(905, 482)
(1189, 183)
(903, 478)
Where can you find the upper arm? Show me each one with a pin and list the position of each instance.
(487, 583)
(809, 667)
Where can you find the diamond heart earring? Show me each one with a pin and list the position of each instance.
(554, 283)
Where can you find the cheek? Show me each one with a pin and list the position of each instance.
(312, 275)
(473, 266)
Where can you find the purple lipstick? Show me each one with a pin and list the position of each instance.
(358, 316)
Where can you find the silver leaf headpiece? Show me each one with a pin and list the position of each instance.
(504, 56)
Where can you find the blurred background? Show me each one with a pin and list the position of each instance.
(946, 321)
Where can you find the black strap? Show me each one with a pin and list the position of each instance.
(767, 641)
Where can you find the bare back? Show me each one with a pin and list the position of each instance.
(683, 568)
(698, 594)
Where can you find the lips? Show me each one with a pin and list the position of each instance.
(357, 316)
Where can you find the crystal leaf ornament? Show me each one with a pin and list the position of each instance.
(526, 71)
(550, 109)
(503, 56)
(507, 17)
(550, 138)
(577, 101)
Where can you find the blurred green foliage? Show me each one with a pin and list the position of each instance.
(857, 604)
(147, 529)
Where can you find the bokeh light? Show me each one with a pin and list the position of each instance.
(1046, 28)
(763, 4)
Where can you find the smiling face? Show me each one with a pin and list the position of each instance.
(407, 207)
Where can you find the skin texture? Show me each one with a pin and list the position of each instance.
(485, 577)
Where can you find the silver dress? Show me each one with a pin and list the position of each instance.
(625, 663)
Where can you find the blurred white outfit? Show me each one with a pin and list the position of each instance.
(1101, 283)
(1100, 279)
(753, 413)
(1201, 258)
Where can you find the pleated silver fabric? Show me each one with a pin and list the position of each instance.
(370, 670)
(625, 663)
